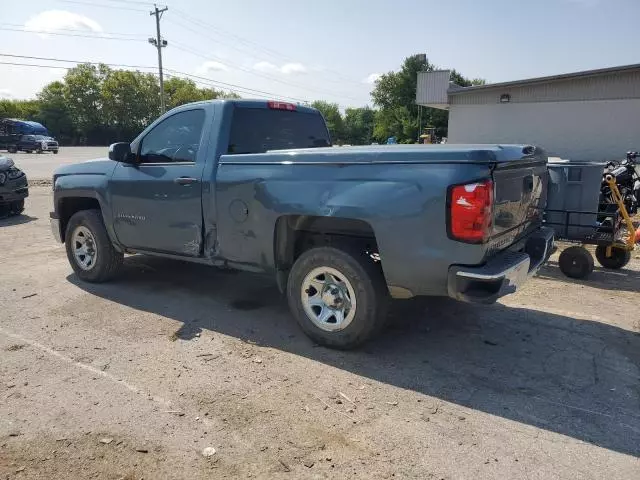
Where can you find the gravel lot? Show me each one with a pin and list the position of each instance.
(41, 166)
(134, 379)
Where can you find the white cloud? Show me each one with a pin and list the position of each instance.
(286, 69)
(211, 66)
(52, 20)
(6, 93)
(371, 79)
(292, 68)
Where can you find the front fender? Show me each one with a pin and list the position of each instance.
(94, 186)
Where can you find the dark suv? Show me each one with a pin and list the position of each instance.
(37, 143)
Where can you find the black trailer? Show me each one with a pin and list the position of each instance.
(12, 129)
(575, 213)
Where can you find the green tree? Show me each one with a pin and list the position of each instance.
(179, 91)
(21, 109)
(130, 102)
(333, 118)
(83, 94)
(395, 94)
(54, 112)
(358, 125)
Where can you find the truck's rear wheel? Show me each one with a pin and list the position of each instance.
(89, 249)
(338, 298)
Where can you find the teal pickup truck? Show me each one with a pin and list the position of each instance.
(256, 185)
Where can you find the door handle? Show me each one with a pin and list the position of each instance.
(185, 180)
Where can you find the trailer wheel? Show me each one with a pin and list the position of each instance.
(576, 262)
(618, 259)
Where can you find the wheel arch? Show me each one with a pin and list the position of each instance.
(294, 234)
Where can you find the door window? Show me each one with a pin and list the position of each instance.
(175, 139)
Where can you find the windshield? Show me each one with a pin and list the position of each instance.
(257, 130)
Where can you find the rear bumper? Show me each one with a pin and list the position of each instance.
(503, 273)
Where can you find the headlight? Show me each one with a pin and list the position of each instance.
(3, 177)
(15, 173)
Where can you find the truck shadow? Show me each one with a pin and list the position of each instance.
(624, 279)
(575, 377)
(6, 221)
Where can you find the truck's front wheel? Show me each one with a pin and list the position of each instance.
(89, 249)
(339, 298)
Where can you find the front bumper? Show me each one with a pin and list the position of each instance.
(14, 190)
(503, 273)
(54, 221)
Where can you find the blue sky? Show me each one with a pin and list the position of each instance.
(328, 50)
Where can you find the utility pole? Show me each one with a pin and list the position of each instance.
(159, 43)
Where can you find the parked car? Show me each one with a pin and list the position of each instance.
(37, 143)
(251, 185)
(13, 188)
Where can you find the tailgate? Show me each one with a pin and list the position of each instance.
(520, 197)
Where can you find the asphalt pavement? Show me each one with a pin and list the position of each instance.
(149, 375)
(40, 166)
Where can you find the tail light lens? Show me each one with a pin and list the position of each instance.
(470, 211)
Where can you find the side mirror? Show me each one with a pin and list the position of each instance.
(121, 152)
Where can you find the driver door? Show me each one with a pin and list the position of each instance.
(157, 202)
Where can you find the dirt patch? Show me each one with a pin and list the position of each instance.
(15, 347)
(543, 384)
(80, 457)
(40, 182)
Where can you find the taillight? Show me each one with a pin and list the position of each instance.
(470, 211)
(291, 107)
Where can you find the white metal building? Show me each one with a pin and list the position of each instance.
(592, 115)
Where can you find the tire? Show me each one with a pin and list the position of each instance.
(576, 262)
(16, 208)
(55, 152)
(12, 150)
(39, 150)
(618, 259)
(359, 277)
(27, 151)
(107, 260)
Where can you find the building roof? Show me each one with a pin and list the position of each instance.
(456, 90)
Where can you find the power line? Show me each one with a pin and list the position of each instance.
(73, 61)
(73, 30)
(146, 4)
(93, 4)
(268, 77)
(203, 80)
(65, 34)
(33, 65)
(273, 53)
(225, 84)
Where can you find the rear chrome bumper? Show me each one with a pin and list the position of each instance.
(503, 273)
